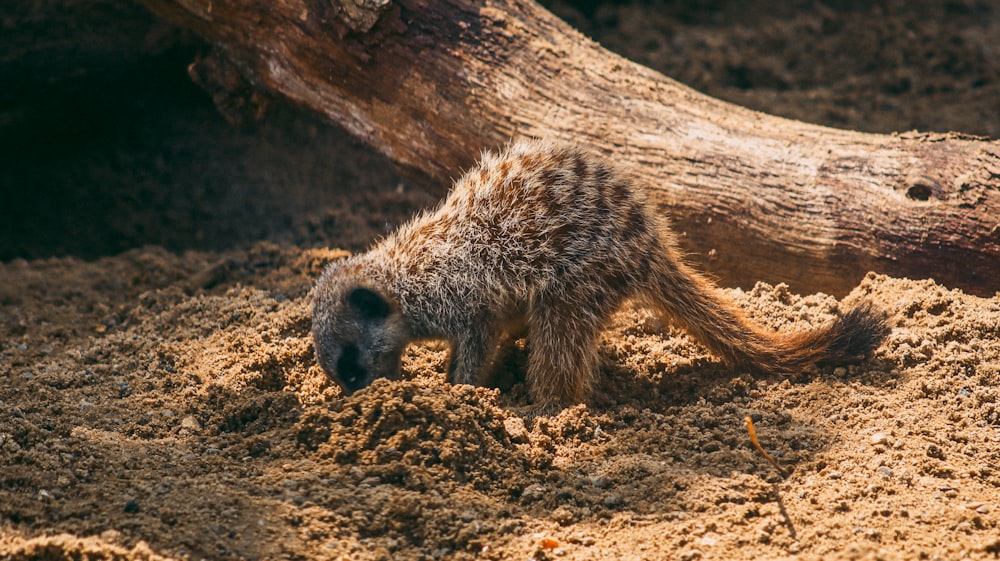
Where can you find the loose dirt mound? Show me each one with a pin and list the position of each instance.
(146, 416)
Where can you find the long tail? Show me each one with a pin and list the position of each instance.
(697, 305)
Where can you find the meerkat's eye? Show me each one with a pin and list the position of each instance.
(349, 371)
(370, 304)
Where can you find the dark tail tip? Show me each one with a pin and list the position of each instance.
(858, 332)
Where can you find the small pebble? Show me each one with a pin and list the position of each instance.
(582, 540)
(132, 506)
(885, 471)
(516, 430)
(533, 492)
(879, 439)
(691, 555)
(613, 500)
(600, 481)
(711, 446)
(190, 423)
(563, 515)
(840, 371)
(111, 535)
(835, 475)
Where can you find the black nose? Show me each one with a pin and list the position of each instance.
(350, 374)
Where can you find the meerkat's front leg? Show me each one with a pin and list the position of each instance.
(473, 354)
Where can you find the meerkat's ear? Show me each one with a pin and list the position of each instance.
(368, 303)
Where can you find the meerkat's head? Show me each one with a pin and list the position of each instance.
(358, 330)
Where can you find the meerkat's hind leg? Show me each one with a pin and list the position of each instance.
(562, 352)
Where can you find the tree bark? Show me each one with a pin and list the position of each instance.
(756, 197)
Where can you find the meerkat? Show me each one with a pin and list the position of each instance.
(549, 240)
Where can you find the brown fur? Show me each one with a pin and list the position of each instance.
(551, 239)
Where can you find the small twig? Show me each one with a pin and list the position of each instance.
(756, 444)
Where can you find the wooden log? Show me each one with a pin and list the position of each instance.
(757, 197)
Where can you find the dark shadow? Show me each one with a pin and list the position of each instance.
(118, 149)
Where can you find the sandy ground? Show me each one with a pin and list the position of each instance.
(144, 412)
(165, 403)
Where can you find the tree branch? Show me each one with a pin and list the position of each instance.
(431, 84)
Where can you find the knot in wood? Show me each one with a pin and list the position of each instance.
(922, 188)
